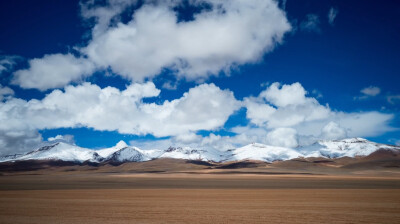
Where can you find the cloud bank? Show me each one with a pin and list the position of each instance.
(153, 38)
(205, 107)
(281, 115)
(220, 37)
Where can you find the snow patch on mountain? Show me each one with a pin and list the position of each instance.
(194, 154)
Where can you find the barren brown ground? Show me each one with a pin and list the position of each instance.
(198, 197)
(319, 190)
(201, 206)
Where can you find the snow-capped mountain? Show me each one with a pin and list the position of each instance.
(128, 154)
(108, 151)
(10, 157)
(352, 147)
(123, 153)
(267, 153)
(60, 151)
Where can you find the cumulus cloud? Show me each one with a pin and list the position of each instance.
(311, 23)
(233, 32)
(332, 131)
(230, 33)
(284, 106)
(18, 141)
(337, 126)
(286, 95)
(332, 15)
(281, 115)
(258, 111)
(364, 124)
(284, 137)
(205, 107)
(53, 71)
(104, 16)
(288, 106)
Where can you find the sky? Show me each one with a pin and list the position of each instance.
(199, 73)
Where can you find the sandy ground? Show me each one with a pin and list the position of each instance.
(198, 198)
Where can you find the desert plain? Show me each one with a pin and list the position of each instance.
(179, 191)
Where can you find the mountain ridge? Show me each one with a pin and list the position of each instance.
(122, 152)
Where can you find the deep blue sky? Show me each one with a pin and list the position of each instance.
(360, 49)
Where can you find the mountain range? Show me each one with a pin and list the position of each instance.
(121, 153)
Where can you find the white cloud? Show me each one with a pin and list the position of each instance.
(364, 124)
(7, 62)
(104, 16)
(205, 107)
(292, 107)
(231, 33)
(5, 92)
(170, 85)
(212, 42)
(284, 121)
(332, 131)
(289, 107)
(18, 141)
(187, 138)
(257, 111)
(53, 71)
(284, 137)
(332, 15)
(371, 91)
(222, 143)
(62, 138)
(368, 92)
(311, 23)
(341, 125)
(286, 95)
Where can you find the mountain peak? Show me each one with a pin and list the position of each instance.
(121, 144)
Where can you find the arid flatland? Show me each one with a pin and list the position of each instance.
(194, 193)
(201, 206)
